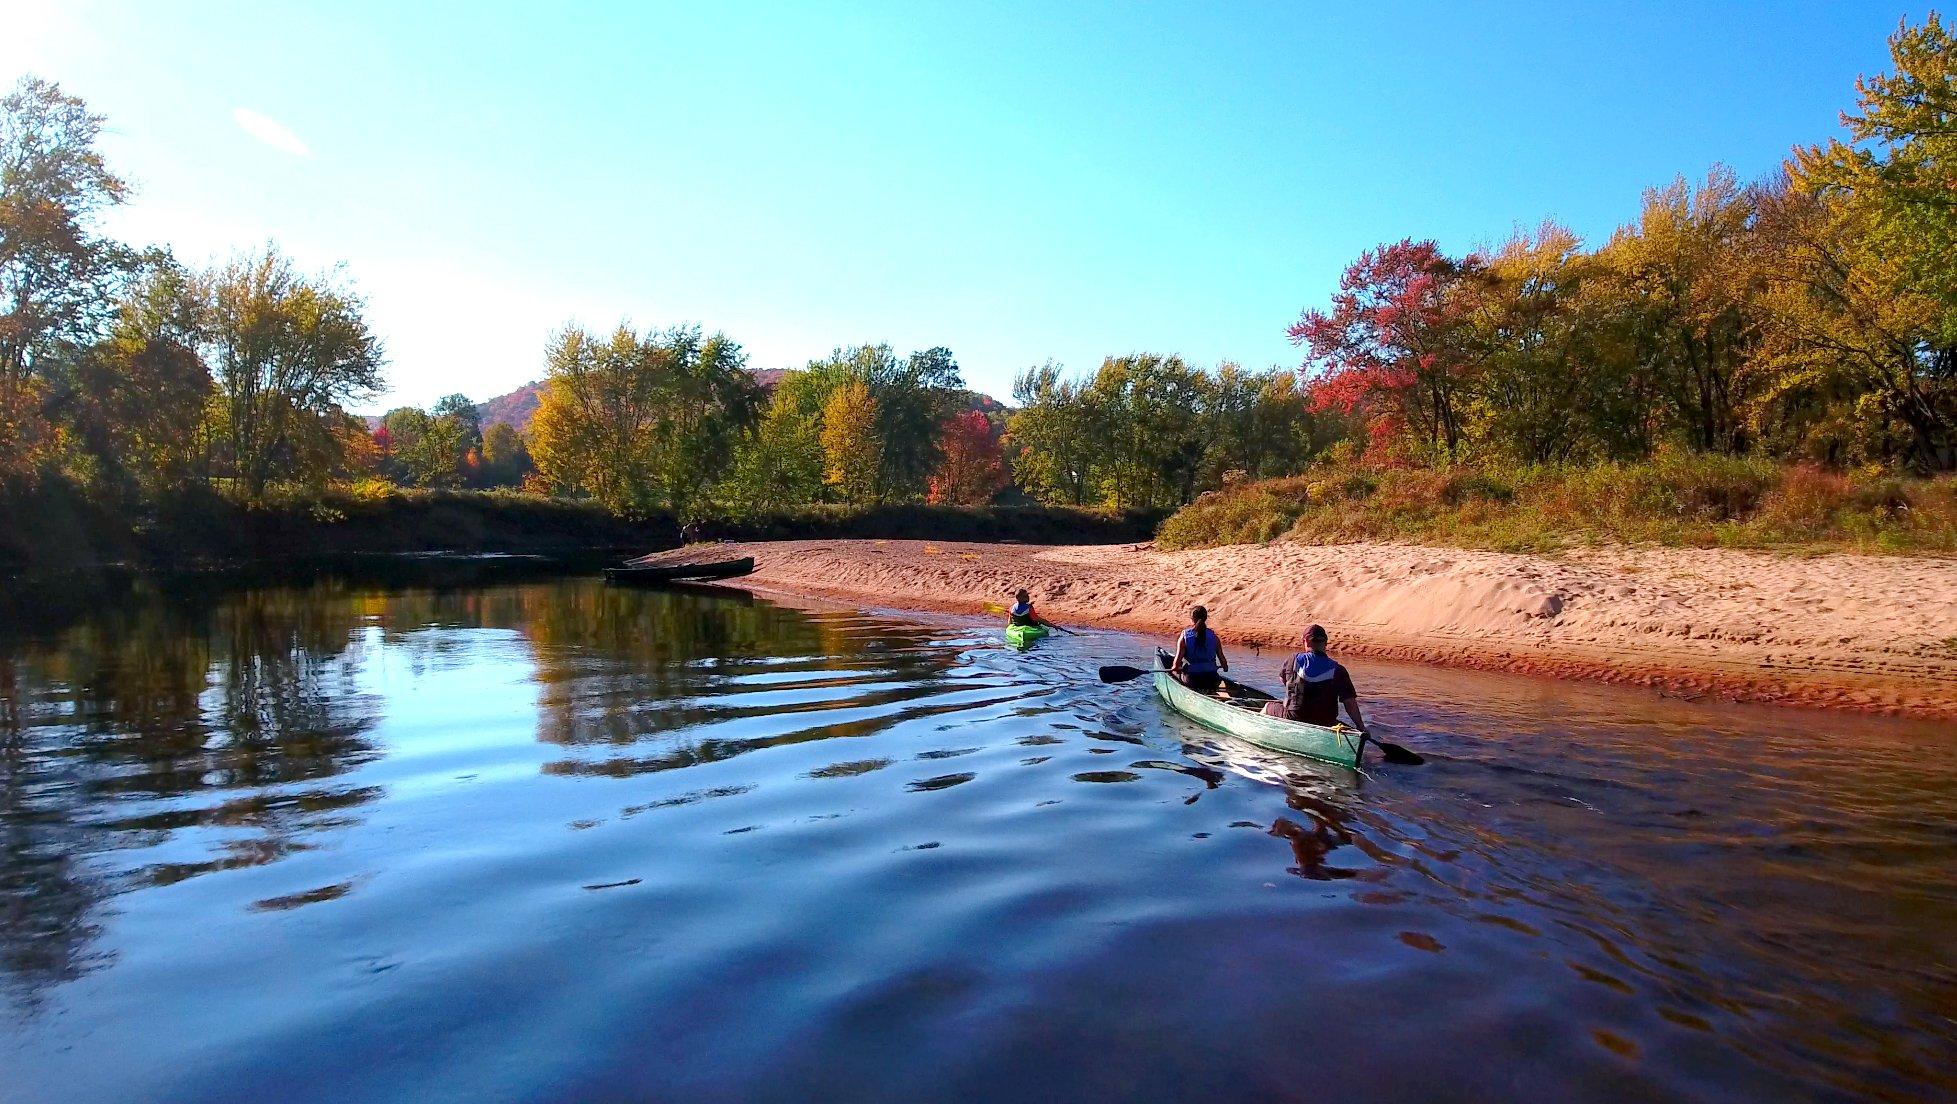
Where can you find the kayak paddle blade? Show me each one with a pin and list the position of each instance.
(1118, 673)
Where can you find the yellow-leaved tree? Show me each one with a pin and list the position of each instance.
(852, 451)
(641, 424)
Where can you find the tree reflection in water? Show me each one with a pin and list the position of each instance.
(205, 719)
(622, 668)
(192, 729)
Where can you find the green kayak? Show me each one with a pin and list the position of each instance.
(1020, 636)
(1242, 716)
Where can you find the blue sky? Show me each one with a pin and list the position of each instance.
(1014, 181)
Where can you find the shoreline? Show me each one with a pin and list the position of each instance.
(1863, 634)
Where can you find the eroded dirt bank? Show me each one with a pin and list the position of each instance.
(1868, 633)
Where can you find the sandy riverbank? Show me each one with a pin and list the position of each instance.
(1868, 633)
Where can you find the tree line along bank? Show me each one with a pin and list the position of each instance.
(1810, 318)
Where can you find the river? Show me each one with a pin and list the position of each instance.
(536, 839)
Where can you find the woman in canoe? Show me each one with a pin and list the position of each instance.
(1199, 661)
(1315, 685)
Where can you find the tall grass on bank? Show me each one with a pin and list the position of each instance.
(1685, 501)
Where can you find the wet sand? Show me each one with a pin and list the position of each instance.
(1865, 633)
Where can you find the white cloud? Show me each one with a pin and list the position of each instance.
(269, 131)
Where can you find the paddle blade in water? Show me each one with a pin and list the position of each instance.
(1394, 753)
(1118, 673)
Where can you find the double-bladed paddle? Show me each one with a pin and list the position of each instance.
(1393, 753)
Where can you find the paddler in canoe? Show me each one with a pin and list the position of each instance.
(1199, 662)
(1023, 622)
(1315, 685)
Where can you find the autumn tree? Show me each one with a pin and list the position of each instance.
(973, 468)
(1900, 164)
(642, 423)
(913, 395)
(1686, 262)
(288, 351)
(852, 447)
(1867, 229)
(1052, 436)
(58, 276)
(1555, 381)
(142, 394)
(1390, 349)
(505, 456)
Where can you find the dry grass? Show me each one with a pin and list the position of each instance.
(1687, 501)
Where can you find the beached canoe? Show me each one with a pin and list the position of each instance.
(1242, 716)
(1019, 636)
(658, 574)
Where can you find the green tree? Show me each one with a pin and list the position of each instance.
(1152, 412)
(1258, 423)
(466, 416)
(427, 449)
(1053, 438)
(289, 351)
(852, 447)
(780, 463)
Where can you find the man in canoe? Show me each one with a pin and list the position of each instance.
(1199, 660)
(1315, 685)
(1023, 613)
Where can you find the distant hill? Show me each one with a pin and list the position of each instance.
(514, 409)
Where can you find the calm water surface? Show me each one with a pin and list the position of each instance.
(548, 841)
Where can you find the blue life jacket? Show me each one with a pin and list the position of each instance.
(1020, 614)
(1312, 667)
(1199, 650)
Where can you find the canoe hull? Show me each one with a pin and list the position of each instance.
(1339, 746)
(661, 574)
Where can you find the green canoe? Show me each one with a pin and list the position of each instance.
(1242, 716)
(1020, 636)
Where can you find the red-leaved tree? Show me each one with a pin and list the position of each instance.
(1391, 348)
(973, 469)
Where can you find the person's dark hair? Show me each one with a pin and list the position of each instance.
(1021, 596)
(1199, 614)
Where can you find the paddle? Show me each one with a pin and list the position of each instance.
(1391, 752)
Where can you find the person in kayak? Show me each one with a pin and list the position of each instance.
(1199, 660)
(1315, 685)
(1023, 613)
